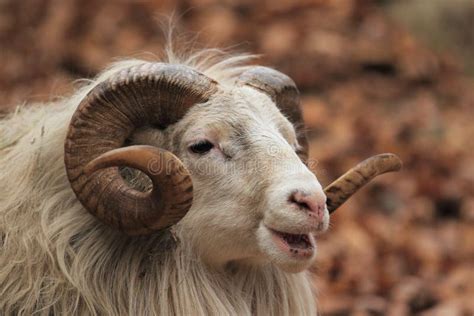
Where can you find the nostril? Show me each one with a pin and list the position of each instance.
(299, 202)
(308, 202)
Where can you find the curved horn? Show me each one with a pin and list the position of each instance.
(349, 183)
(149, 94)
(283, 91)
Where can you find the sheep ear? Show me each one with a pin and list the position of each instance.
(283, 91)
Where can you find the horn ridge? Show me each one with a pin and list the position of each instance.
(150, 93)
(283, 91)
(349, 183)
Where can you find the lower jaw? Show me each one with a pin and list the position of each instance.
(295, 253)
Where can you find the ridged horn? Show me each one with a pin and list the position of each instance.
(155, 94)
(349, 183)
(283, 91)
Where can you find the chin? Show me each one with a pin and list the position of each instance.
(290, 252)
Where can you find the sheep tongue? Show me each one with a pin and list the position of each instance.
(349, 183)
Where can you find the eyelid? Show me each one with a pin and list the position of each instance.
(197, 140)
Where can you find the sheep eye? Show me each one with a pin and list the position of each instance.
(202, 147)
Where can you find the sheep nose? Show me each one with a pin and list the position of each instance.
(312, 203)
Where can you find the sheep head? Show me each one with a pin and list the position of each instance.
(227, 164)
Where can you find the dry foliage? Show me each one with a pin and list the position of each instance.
(405, 244)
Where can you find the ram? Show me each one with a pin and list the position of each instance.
(164, 188)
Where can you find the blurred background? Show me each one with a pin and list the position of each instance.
(376, 76)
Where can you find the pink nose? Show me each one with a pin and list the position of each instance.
(314, 204)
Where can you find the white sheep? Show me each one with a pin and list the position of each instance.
(226, 225)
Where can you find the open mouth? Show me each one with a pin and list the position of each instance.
(296, 245)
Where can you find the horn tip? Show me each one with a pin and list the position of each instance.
(393, 161)
(92, 167)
